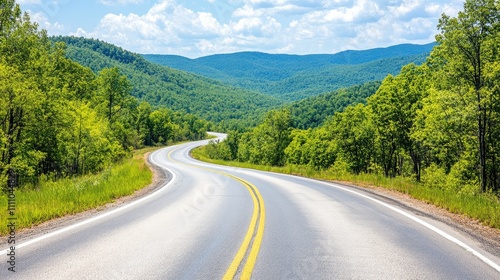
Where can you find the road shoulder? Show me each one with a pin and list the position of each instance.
(160, 177)
(488, 237)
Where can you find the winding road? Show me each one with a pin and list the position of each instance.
(215, 222)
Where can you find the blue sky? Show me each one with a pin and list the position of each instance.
(203, 27)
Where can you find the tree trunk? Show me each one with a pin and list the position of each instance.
(13, 127)
(482, 145)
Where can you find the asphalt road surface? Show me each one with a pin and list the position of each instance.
(214, 222)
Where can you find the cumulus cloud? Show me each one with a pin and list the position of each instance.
(165, 24)
(295, 26)
(120, 2)
(168, 26)
(363, 24)
(54, 28)
(277, 7)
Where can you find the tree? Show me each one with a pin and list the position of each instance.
(162, 129)
(355, 137)
(10, 12)
(394, 108)
(20, 98)
(386, 115)
(114, 92)
(85, 142)
(267, 142)
(142, 123)
(295, 152)
(271, 138)
(468, 45)
(319, 148)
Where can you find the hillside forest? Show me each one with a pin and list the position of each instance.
(73, 106)
(225, 106)
(438, 123)
(295, 77)
(60, 119)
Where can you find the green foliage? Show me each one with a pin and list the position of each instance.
(294, 77)
(313, 111)
(227, 106)
(468, 56)
(482, 207)
(113, 94)
(58, 119)
(311, 147)
(53, 199)
(266, 143)
(440, 119)
(354, 134)
(225, 150)
(217, 150)
(394, 108)
(434, 177)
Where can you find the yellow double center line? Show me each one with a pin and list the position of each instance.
(257, 223)
(249, 249)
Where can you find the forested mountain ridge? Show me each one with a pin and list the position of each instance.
(437, 123)
(313, 111)
(293, 77)
(163, 86)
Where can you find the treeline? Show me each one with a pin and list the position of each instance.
(317, 81)
(438, 123)
(313, 111)
(59, 119)
(294, 77)
(225, 106)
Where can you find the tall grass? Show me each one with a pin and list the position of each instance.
(69, 196)
(482, 207)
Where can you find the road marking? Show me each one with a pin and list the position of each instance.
(438, 231)
(247, 248)
(433, 228)
(259, 210)
(88, 221)
(417, 220)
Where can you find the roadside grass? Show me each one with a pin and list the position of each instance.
(482, 207)
(53, 199)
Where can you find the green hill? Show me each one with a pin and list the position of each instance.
(313, 111)
(226, 105)
(294, 77)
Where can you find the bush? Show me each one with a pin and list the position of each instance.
(434, 177)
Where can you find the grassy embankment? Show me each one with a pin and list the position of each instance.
(482, 207)
(69, 196)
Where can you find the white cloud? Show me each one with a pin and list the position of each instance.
(295, 26)
(44, 23)
(276, 7)
(247, 24)
(247, 11)
(168, 25)
(120, 2)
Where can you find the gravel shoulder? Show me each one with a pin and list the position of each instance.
(487, 236)
(160, 177)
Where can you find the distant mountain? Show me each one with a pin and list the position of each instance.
(293, 77)
(226, 105)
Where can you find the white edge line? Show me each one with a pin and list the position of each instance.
(423, 223)
(409, 216)
(48, 235)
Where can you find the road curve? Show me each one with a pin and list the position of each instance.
(196, 226)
